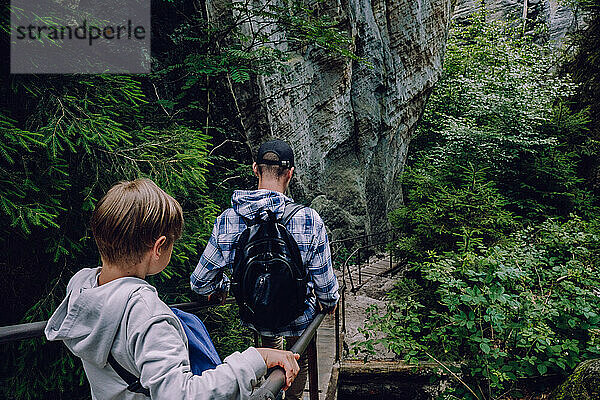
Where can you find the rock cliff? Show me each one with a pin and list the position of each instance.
(350, 122)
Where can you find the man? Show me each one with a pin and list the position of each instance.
(274, 168)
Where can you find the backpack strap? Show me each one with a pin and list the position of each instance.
(290, 210)
(133, 382)
(249, 222)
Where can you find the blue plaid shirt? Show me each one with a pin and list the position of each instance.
(307, 228)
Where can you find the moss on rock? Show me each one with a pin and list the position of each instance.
(583, 384)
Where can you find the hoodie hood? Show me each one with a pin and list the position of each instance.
(89, 317)
(248, 203)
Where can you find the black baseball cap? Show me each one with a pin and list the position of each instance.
(281, 149)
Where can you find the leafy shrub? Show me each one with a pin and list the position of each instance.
(501, 107)
(520, 309)
(449, 208)
(498, 150)
(226, 330)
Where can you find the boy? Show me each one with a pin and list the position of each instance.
(112, 310)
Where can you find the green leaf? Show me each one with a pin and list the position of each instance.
(484, 347)
(542, 369)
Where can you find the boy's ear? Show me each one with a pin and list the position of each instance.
(255, 168)
(157, 248)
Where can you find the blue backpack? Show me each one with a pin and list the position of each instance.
(203, 354)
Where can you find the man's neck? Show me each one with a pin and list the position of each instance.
(274, 186)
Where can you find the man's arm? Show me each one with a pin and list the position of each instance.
(208, 276)
(321, 269)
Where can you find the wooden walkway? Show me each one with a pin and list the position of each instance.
(372, 268)
(326, 332)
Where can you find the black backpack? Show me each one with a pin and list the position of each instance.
(269, 279)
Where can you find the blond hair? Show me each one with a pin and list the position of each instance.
(129, 219)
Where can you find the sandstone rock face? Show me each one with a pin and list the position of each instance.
(350, 122)
(559, 17)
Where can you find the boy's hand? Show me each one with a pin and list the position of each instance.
(284, 359)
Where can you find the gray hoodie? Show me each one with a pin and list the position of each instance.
(126, 316)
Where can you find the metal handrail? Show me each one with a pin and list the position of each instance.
(357, 251)
(340, 311)
(360, 237)
(373, 245)
(347, 267)
(275, 381)
(22, 331)
(365, 235)
(357, 238)
(36, 329)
